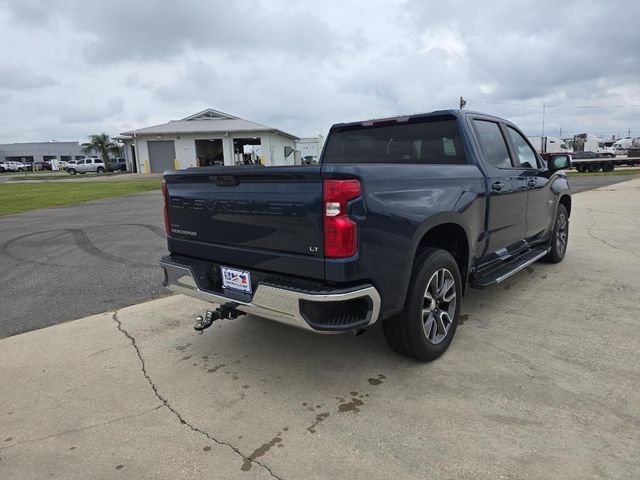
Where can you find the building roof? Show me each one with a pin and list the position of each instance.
(207, 121)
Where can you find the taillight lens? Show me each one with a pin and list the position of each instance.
(165, 196)
(340, 232)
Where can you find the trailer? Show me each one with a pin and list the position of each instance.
(594, 162)
(587, 143)
(548, 144)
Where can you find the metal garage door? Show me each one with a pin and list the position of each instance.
(161, 155)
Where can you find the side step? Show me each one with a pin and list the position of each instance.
(504, 271)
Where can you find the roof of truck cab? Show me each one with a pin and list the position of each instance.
(436, 113)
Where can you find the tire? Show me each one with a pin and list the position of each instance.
(559, 237)
(100, 171)
(580, 167)
(71, 171)
(416, 333)
(608, 167)
(594, 167)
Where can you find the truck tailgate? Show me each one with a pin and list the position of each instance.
(258, 210)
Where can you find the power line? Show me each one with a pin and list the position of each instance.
(541, 105)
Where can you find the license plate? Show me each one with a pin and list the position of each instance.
(236, 279)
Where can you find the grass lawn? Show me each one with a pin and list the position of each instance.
(58, 176)
(21, 197)
(596, 174)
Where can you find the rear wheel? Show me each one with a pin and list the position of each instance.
(594, 167)
(428, 322)
(580, 167)
(608, 167)
(559, 237)
(100, 170)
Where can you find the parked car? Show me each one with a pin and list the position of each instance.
(16, 166)
(118, 164)
(94, 165)
(3, 167)
(44, 165)
(399, 219)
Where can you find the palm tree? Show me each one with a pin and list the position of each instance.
(104, 145)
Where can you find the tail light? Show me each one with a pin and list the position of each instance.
(165, 196)
(340, 232)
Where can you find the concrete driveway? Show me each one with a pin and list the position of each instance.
(541, 381)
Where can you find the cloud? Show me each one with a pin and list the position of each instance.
(162, 29)
(16, 76)
(90, 113)
(86, 66)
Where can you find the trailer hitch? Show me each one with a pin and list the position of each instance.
(227, 311)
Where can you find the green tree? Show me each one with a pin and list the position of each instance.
(103, 145)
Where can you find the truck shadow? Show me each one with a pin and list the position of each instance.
(305, 357)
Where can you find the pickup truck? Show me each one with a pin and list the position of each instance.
(398, 219)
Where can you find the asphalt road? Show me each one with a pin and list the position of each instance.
(60, 264)
(580, 183)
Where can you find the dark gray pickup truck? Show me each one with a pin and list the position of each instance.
(400, 217)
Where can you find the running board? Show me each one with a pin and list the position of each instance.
(504, 271)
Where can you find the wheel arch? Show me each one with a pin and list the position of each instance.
(566, 201)
(453, 238)
(447, 232)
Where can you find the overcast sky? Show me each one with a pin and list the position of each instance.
(72, 68)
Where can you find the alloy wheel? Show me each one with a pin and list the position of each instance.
(562, 233)
(439, 306)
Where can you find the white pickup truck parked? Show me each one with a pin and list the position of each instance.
(16, 167)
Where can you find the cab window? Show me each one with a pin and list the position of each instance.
(525, 156)
(493, 144)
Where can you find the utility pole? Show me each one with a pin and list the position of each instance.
(544, 110)
(560, 135)
(463, 102)
(629, 133)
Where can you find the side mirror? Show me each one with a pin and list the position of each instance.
(559, 162)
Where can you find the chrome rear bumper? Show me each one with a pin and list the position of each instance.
(274, 302)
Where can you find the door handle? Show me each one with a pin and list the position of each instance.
(497, 186)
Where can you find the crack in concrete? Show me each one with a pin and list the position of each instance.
(82, 429)
(178, 415)
(595, 237)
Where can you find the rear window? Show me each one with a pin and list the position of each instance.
(427, 142)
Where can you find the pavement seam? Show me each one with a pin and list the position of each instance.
(177, 414)
(82, 429)
(595, 237)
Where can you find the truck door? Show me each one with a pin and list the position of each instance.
(80, 166)
(506, 223)
(540, 198)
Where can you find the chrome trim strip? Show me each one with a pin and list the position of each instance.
(520, 267)
(273, 303)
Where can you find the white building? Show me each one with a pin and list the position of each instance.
(310, 148)
(206, 138)
(40, 151)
